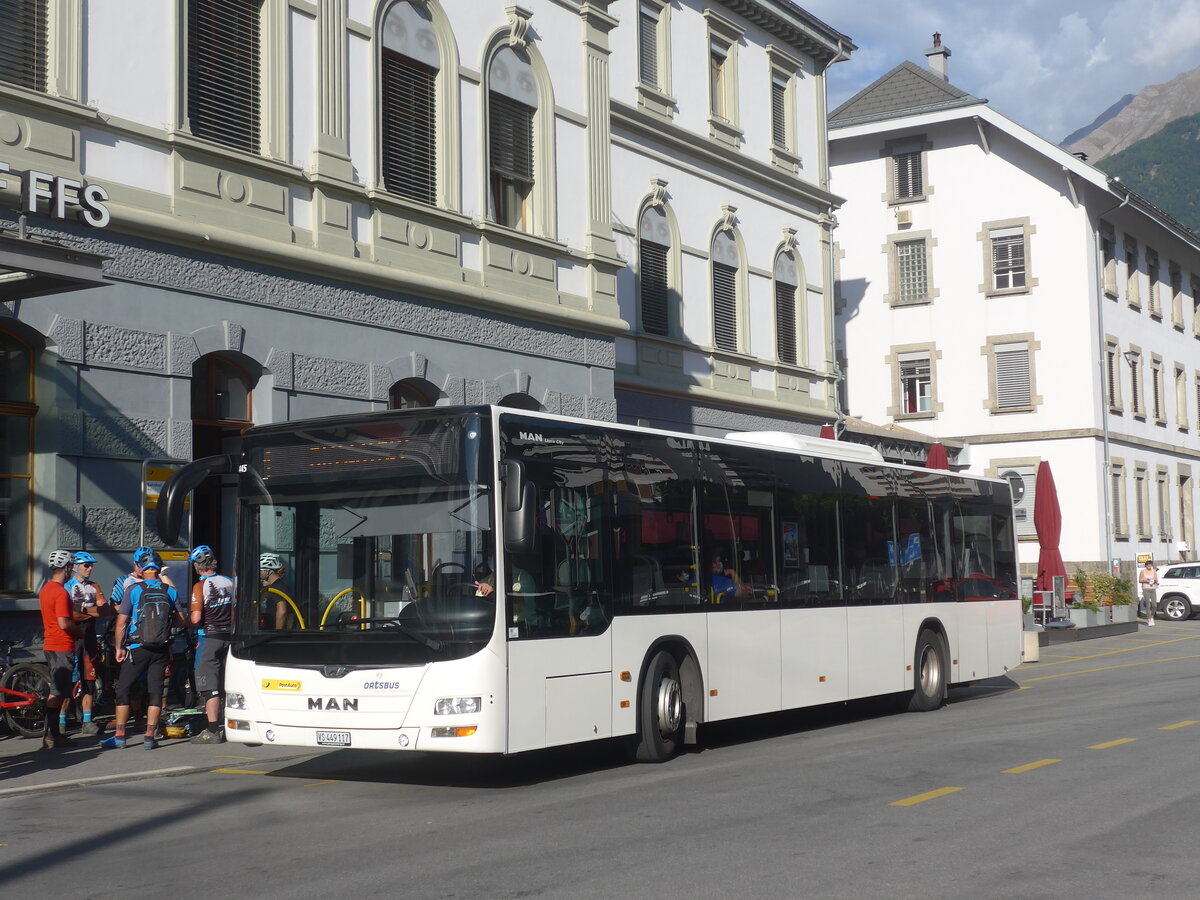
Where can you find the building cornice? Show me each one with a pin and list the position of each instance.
(795, 27)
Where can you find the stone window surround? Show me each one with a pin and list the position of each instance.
(786, 67)
(988, 350)
(1181, 394)
(788, 247)
(1141, 490)
(1194, 284)
(1132, 288)
(1175, 281)
(892, 297)
(1113, 346)
(1158, 384)
(1153, 283)
(1162, 492)
(1137, 383)
(1109, 273)
(1120, 508)
(892, 360)
(741, 285)
(907, 144)
(984, 238)
(674, 262)
(996, 466)
(658, 99)
(64, 58)
(725, 130)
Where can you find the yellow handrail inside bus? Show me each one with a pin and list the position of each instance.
(295, 609)
(362, 604)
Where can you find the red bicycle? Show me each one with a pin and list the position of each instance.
(22, 693)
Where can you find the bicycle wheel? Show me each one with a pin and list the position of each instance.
(28, 721)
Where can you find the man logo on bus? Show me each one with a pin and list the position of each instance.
(346, 704)
(534, 438)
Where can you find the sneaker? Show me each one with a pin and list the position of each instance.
(56, 742)
(1149, 623)
(89, 728)
(209, 737)
(150, 744)
(113, 743)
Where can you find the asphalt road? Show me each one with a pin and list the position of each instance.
(1074, 777)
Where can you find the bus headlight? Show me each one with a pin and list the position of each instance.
(457, 706)
(234, 700)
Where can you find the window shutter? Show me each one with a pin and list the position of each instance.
(223, 76)
(648, 47)
(409, 127)
(908, 174)
(652, 272)
(785, 322)
(510, 133)
(779, 112)
(23, 43)
(1012, 378)
(724, 290)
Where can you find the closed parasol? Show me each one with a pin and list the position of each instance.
(1047, 520)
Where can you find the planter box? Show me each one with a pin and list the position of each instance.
(1086, 618)
(1126, 613)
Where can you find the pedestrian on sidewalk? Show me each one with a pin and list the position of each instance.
(1148, 579)
(88, 605)
(58, 644)
(212, 611)
(145, 616)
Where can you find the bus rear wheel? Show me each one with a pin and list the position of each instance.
(660, 710)
(929, 673)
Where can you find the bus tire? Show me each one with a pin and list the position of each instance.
(929, 672)
(660, 710)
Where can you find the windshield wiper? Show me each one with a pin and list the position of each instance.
(393, 623)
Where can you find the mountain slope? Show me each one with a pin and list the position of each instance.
(1147, 113)
(1103, 118)
(1165, 169)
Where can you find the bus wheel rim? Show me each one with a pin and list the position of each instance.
(931, 674)
(670, 706)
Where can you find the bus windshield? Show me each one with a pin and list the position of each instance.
(367, 544)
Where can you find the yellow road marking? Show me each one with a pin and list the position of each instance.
(1063, 661)
(319, 783)
(1115, 743)
(242, 771)
(928, 795)
(1183, 724)
(1029, 767)
(1148, 662)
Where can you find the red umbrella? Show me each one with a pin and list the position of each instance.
(827, 433)
(937, 458)
(1047, 519)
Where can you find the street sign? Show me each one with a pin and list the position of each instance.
(155, 473)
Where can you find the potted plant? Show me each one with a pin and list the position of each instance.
(1085, 614)
(1118, 592)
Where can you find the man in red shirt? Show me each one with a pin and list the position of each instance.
(58, 644)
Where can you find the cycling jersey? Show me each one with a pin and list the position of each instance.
(212, 597)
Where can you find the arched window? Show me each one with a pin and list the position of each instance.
(519, 401)
(17, 411)
(512, 107)
(654, 267)
(408, 95)
(786, 282)
(411, 393)
(726, 271)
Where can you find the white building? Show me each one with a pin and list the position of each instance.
(996, 290)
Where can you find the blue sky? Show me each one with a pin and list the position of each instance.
(1051, 65)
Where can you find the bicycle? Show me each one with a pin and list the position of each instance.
(23, 689)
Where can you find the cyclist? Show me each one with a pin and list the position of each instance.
(88, 604)
(61, 630)
(148, 610)
(278, 614)
(212, 611)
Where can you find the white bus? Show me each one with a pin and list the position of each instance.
(487, 580)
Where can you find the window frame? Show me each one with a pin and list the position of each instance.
(784, 71)
(1108, 259)
(656, 97)
(671, 269)
(1133, 295)
(1158, 404)
(1113, 363)
(1120, 508)
(26, 410)
(1136, 407)
(1175, 280)
(255, 142)
(900, 354)
(782, 347)
(734, 274)
(1162, 491)
(1182, 422)
(892, 249)
(918, 144)
(723, 37)
(1005, 343)
(1005, 229)
(1153, 281)
(1141, 492)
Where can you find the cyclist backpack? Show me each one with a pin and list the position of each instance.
(153, 616)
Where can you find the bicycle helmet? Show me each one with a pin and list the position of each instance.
(82, 557)
(204, 556)
(270, 561)
(60, 559)
(145, 558)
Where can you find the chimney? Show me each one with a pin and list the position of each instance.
(937, 56)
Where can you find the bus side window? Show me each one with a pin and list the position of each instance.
(807, 529)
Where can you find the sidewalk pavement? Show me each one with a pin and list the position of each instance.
(25, 767)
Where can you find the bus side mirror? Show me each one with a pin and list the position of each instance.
(173, 494)
(520, 508)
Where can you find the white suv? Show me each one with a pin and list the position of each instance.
(1179, 590)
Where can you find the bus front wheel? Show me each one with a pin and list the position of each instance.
(929, 673)
(660, 710)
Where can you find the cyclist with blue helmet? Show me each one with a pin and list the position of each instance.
(88, 604)
(212, 612)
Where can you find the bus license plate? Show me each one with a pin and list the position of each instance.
(333, 739)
